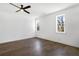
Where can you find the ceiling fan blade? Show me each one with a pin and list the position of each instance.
(14, 5)
(18, 10)
(27, 7)
(26, 11)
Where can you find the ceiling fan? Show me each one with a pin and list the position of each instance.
(22, 8)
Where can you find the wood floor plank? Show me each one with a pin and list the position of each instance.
(37, 47)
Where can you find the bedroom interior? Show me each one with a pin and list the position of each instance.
(39, 29)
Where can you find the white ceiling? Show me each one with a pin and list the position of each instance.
(37, 9)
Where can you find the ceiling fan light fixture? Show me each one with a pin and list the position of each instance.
(21, 8)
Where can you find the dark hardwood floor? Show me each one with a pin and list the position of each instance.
(37, 47)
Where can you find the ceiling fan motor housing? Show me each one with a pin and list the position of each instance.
(21, 7)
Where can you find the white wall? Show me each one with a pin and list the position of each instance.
(48, 27)
(15, 26)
